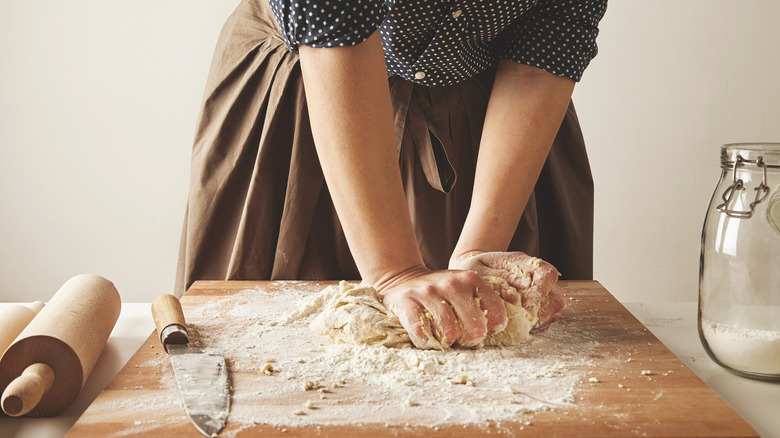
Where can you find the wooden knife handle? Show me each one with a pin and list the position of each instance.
(169, 320)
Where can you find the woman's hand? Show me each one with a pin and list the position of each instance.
(531, 276)
(521, 271)
(439, 308)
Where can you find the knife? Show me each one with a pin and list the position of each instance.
(200, 373)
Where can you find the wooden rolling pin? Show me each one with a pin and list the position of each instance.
(43, 371)
(13, 319)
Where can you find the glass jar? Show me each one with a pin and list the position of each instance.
(739, 271)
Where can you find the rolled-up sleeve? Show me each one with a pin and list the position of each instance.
(327, 23)
(557, 36)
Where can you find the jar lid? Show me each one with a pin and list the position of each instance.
(769, 152)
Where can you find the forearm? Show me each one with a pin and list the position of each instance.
(525, 111)
(352, 122)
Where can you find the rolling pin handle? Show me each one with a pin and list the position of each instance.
(169, 320)
(24, 392)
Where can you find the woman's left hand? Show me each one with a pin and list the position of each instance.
(531, 276)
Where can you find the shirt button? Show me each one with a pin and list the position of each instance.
(419, 75)
(457, 14)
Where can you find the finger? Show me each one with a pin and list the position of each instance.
(495, 265)
(445, 325)
(460, 294)
(492, 307)
(543, 274)
(531, 275)
(549, 309)
(414, 319)
(545, 280)
(502, 288)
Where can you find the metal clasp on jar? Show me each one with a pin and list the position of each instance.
(762, 191)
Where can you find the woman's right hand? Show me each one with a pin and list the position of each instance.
(439, 308)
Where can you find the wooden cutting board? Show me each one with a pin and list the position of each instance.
(596, 372)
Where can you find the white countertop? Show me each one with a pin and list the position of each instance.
(673, 323)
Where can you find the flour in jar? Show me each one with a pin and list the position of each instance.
(746, 349)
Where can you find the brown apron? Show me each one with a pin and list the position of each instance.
(259, 209)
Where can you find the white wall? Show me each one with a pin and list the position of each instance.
(674, 81)
(98, 101)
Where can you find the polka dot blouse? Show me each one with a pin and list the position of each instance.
(442, 42)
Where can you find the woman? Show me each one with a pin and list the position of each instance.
(306, 165)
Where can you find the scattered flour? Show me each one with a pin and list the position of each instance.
(360, 384)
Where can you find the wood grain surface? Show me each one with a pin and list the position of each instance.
(637, 386)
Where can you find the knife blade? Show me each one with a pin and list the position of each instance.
(201, 374)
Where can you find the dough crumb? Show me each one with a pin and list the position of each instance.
(298, 412)
(594, 380)
(460, 380)
(308, 404)
(267, 369)
(647, 373)
(427, 367)
(308, 385)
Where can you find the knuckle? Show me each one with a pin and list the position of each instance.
(471, 277)
(427, 292)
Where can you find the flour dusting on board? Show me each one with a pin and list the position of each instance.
(282, 374)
